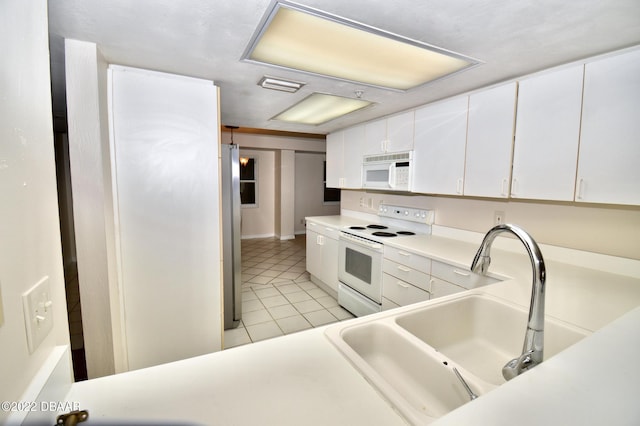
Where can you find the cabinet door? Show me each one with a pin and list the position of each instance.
(608, 169)
(335, 159)
(547, 135)
(352, 157)
(490, 142)
(375, 137)
(329, 267)
(314, 251)
(440, 136)
(400, 132)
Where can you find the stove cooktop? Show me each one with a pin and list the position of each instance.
(378, 230)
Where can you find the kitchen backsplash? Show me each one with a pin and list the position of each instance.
(612, 230)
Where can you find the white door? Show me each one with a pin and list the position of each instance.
(440, 137)
(490, 142)
(165, 146)
(609, 165)
(547, 135)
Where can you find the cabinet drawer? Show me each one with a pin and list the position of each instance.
(415, 261)
(440, 288)
(327, 231)
(459, 276)
(401, 292)
(405, 273)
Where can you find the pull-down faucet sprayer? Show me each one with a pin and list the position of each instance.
(532, 350)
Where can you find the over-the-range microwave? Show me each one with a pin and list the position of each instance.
(387, 171)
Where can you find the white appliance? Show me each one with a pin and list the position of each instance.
(231, 214)
(361, 251)
(387, 171)
(164, 142)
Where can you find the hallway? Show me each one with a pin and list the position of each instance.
(277, 296)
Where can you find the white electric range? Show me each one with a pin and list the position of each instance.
(361, 250)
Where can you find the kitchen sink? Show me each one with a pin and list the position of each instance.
(418, 379)
(409, 355)
(482, 333)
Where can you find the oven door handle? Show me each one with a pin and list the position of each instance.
(362, 242)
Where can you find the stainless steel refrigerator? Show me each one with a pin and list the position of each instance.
(231, 263)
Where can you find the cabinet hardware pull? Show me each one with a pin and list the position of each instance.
(404, 253)
(403, 285)
(461, 273)
(431, 281)
(502, 187)
(514, 182)
(459, 186)
(404, 268)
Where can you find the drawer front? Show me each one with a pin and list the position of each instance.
(459, 276)
(440, 288)
(405, 273)
(327, 231)
(402, 292)
(415, 261)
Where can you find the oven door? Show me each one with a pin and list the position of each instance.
(360, 265)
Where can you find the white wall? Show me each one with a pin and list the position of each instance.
(29, 227)
(287, 194)
(90, 169)
(612, 230)
(258, 221)
(309, 198)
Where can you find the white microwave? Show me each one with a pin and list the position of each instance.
(387, 171)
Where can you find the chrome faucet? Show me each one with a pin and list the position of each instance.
(532, 349)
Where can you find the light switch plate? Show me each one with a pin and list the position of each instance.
(38, 313)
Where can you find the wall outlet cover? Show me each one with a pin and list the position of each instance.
(38, 313)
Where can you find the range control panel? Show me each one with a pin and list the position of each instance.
(407, 213)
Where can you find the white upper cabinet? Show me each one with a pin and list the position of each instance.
(344, 158)
(352, 157)
(375, 134)
(335, 159)
(400, 132)
(547, 135)
(439, 147)
(609, 164)
(392, 134)
(490, 142)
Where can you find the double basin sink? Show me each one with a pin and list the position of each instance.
(410, 356)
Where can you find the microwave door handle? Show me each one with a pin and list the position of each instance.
(392, 175)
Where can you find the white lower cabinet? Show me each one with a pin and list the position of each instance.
(322, 254)
(402, 292)
(405, 278)
(410, 278)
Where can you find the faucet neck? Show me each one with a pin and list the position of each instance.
(532, 350)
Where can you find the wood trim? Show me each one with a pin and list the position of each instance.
(269, 132)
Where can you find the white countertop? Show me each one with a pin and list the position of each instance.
(303, 379)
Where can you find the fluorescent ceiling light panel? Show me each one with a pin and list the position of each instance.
(318, 108)
(304, 39)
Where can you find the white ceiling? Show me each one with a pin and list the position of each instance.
(206, 38)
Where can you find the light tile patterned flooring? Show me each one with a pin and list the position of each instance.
(277, 296)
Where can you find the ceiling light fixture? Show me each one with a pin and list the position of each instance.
(299, 38)
(280, 84)
(319, 108)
